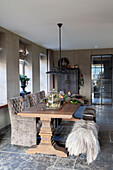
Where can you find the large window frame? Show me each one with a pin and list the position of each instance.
(99, 89)
(21, 66)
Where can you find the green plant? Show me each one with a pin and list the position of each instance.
(80, 79)
(24, 78)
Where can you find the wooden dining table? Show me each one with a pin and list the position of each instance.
(47, 144)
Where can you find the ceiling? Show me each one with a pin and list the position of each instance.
(87, 24)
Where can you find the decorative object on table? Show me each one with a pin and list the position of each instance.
(83, 139)
(53, 100)
(61, 92)
(61, 96)
(73, 99)
(24, 82)
(76, 98)
(64, 98)
(69, 93)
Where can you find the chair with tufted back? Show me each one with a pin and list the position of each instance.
(40, 95)
(23, 129)
(31, 100)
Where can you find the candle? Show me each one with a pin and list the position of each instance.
(69, 94)
(60, 96)
(47, 104)
(52, 100)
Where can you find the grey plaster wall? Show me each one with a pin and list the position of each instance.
(3, 84)
(83, 59)
(4, 117)
(36, 51)
(12, 66)
(11, 60)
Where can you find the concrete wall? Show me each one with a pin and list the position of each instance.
(11, 60)
(4, 117)
(36, 51)
(3, 81)
(12, 66)
(83, 59)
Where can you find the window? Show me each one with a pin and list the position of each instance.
(25, 68)
(96, 70)
(21, 66)
(43, 70)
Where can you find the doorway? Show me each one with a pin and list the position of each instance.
(101, 78)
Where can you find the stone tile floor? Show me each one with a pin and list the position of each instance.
(15, 158)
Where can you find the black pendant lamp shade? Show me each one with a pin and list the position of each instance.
(55, 70)
(58, 70)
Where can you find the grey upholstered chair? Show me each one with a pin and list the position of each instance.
(23, 129)
(31, 100)
(40, 95)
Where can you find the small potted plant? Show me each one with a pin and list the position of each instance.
(24, 81)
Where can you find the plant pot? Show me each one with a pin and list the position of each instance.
(23, 85)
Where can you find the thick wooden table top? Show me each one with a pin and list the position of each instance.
(66, 111)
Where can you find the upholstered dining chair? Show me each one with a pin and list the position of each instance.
(32, 100)
(40, 95)
(23, 129)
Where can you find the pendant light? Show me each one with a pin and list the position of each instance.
(58, 70)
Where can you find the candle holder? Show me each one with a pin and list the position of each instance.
(69, 93)
(53, 100)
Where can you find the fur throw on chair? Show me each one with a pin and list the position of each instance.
(83, 139)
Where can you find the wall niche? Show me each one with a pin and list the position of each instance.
(25, 62)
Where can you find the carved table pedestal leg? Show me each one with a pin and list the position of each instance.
(45, 145)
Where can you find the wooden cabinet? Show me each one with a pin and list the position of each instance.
(69, 82)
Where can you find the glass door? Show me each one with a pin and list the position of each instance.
(101, 77)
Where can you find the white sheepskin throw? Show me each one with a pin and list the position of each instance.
(83, 139)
